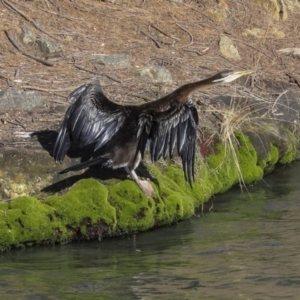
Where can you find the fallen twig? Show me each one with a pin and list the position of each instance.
(36, 88)
(76, 20)
(11, 39)
(16, 124)
(207, 17)
(7, 4)
(96, 73)
(191, 36)
(195, 51)
(162, 32)
(152, 38)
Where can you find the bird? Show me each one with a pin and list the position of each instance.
(119, 134)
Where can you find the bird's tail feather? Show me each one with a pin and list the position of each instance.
(96, 161)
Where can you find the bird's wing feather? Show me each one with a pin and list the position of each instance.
(165, 130)
(92, 118)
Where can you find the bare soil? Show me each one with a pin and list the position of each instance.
(179, 35)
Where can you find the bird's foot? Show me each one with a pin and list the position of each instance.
(146, 187)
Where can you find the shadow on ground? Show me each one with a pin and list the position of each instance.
(47, 138)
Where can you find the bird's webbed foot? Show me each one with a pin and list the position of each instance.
(144, 185)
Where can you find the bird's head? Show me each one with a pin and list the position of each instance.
(229, 75)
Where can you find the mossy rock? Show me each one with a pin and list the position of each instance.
(135, 212)
(85, 209)
(223, 173)
(291, 152)
(91, 209)
(26, 220)
(248, 161)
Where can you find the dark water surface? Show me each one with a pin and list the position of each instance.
(248, 248)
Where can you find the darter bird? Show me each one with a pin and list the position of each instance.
(119, 134)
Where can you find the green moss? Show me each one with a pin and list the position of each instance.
(58, 218)
(27, 220)
(175, 198)
(205, 180)
(222, 169)
(172, 177)
(247, 157)
(85, 204)
(6, 235)
(134, 211)
(171, 202)
(290, 154)
(268, 163)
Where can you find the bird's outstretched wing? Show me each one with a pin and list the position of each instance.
(176, 126)
(92, 118)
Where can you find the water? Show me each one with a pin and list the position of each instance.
(247, 248)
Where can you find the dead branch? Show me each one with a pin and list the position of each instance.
(7, 4)
(36, 88)
(207, 17)
(195, 51)
(162, 32)
(96, 73)
(191, 36)
(151, 38)
(62, 16)
(16, 124)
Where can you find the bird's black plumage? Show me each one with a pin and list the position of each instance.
(92, 118)
(120, 134)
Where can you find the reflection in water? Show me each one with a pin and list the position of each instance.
(248, 248)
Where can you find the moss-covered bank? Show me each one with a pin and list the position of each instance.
(91, 209)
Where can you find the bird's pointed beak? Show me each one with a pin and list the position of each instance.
(236, 74)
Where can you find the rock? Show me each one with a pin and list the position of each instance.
(292, 4)
(156, 74)
(49, 48)
(35, 43)
(120, 60)
(60, 108)
(263, 33)
(28, 37)
(227, 49)
(219, 13)
(14, 99)
(276, 8)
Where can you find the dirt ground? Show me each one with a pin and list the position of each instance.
(181, 35)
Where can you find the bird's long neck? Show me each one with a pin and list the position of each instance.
(180, 95)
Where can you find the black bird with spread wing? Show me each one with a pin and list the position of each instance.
(120, 133)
